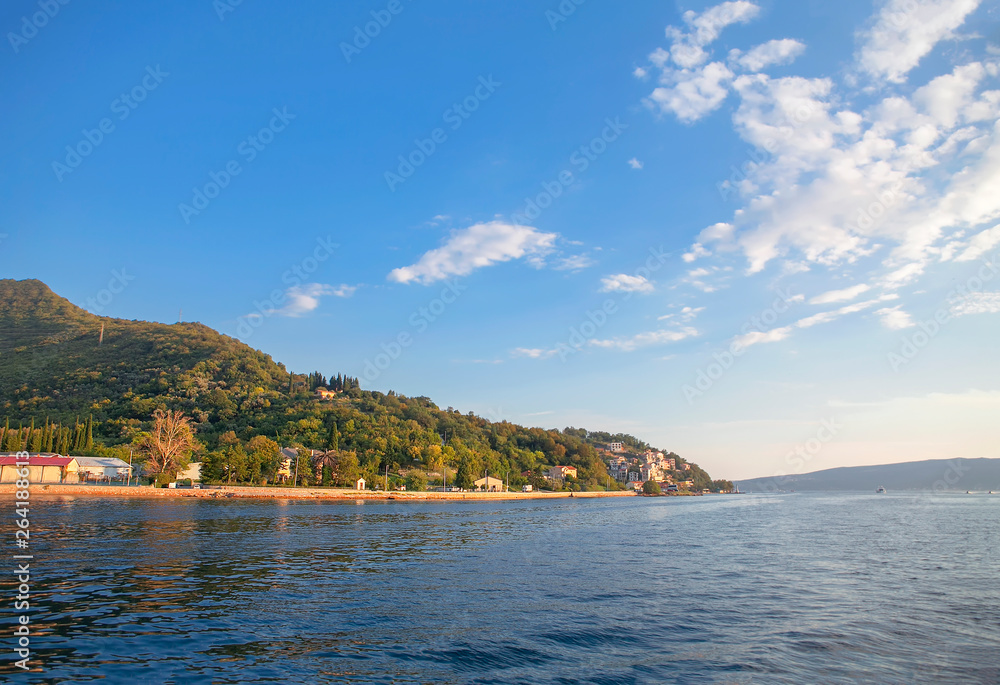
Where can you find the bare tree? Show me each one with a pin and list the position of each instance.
(168, 446)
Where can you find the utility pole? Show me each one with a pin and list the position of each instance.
(180, 315)
(130, 467)
(387, 477)
(295, 479)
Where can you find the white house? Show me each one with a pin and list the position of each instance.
(617, 447)
(489, 484)
(360, 485)
(651, 472)
(101, 468)
(193, 471)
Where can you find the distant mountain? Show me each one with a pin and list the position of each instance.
(934, 474)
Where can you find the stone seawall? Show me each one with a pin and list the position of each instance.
(237, 492)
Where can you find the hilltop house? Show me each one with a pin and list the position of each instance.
(560, 472)
(325, 393)
(617, 447)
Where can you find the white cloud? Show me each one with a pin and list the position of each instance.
(741, 342)
(685, 315)
(635, 163)
(697, 250)
(842, 173)
(977, 303)
(783, 51)
(574, 263)
(689, 88)
(776, 334)
(475, 247)
(833, 315)
(837, 185)
(623, 283)
(533, 352)
(704, 28)
(980, 244)
(302, 299)
(691, 94)
(905, 31)
(840, 295)
(948, 96)
(640, 73)
(646, 339)
(895, 318)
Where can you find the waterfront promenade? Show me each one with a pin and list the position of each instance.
(278, 492)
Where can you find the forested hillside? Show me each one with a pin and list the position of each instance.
(57, 368)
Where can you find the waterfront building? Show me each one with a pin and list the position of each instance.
(42, 468)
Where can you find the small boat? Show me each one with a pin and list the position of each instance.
(880, 490)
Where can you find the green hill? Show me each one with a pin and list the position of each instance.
(55, 367)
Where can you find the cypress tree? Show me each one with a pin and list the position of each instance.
(333, 439)
(47, 436)
(89, 444)
(77, 436)
(63, 447)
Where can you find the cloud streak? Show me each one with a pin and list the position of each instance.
(476, 247)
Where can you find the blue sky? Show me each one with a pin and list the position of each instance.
(727, 228)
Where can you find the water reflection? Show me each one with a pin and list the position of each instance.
(781, 589)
